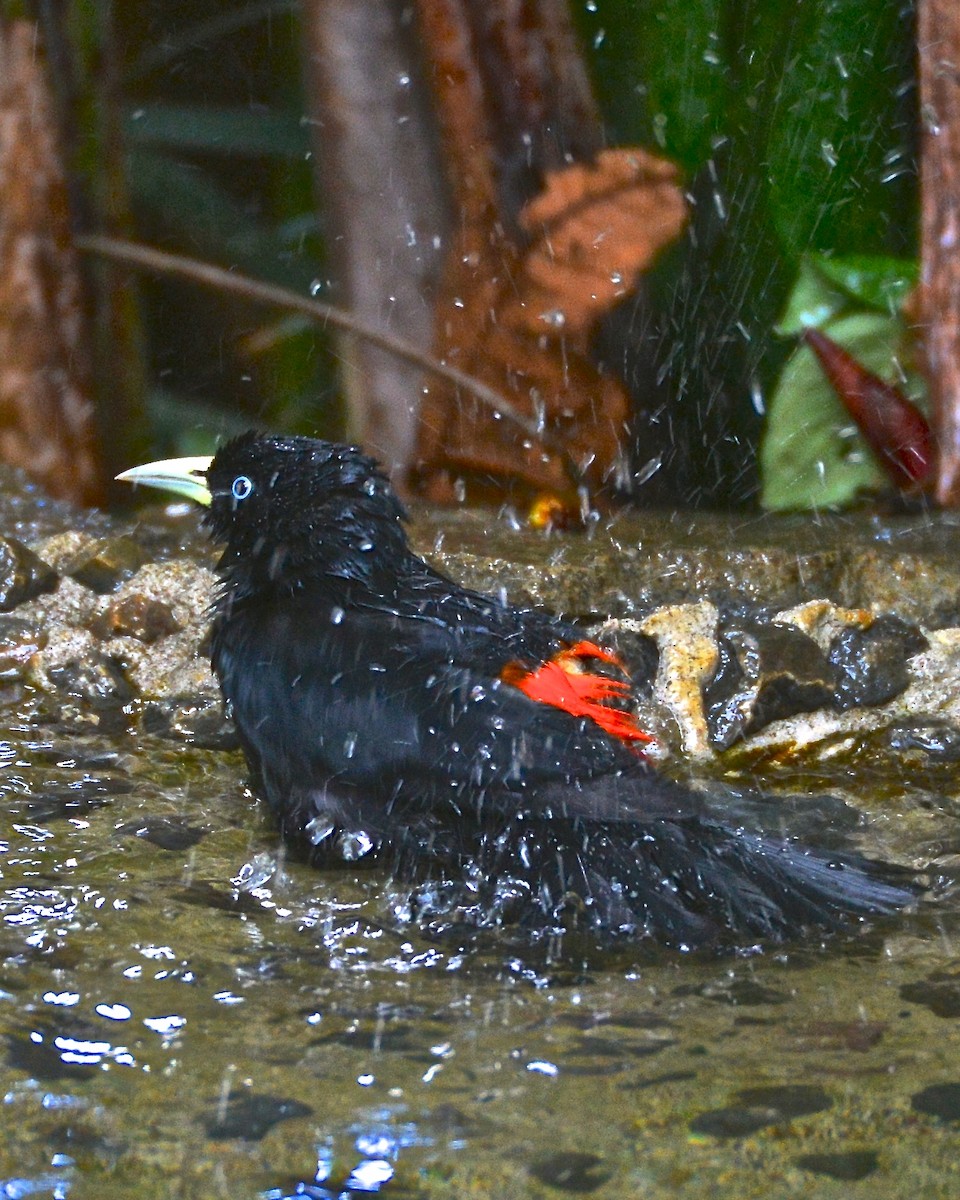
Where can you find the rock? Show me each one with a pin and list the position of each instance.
(872, 664)
(137, 616)
(766, 670)
(20, 641)
(106, 565)
(22, 574)
(686, 639)
(199, 720)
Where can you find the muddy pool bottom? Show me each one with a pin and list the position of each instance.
(168, 1034)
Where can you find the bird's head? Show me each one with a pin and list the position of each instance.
(290, 510)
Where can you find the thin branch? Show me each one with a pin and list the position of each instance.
(207, 275)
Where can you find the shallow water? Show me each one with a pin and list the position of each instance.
(169, 1033)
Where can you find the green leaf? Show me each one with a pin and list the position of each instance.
(875, 280)
(248, 132)
(812, 455)
(813, 300)
(827, 286)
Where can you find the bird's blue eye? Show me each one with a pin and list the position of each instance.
(242, 487)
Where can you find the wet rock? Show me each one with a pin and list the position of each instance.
(814, 656)
(871, 664)
(571, 1171)
(932, 696)
(936, 741)
(252, 1115)
(759, 1107)
(53, 1053)
(737, 1121)
(857, 1036)
(136, 616)
(75, 798)
(686, 640)
(941, 1100)
(198, 720)
(638, 650)
(96, 681)
(86, 690)
(823, 620)
(656, 1081)
(105, 566)
(740, 993)
(847, 1166)
(905, 565)
(765, 672)
(917, 586)
(22, 574)
(166, 833)
(203, 894)
(940, 993)
(19, 642)
(172, 671)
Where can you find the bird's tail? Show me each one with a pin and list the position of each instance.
(693, 882)
(687, 883)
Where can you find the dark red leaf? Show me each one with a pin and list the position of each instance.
(895, 429)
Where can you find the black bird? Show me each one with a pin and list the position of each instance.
(387, 712)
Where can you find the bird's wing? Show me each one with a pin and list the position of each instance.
(373, 699)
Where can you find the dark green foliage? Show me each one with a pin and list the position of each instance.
(795, 122)
(218, 160)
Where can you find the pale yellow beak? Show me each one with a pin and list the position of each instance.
(182, 476)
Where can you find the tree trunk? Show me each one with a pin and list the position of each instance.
(47, 423)
(939, 45)
(382, 192)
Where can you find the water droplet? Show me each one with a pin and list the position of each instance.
(648, 470)
(543, 1068)
(376, 1144)
(316, 287)
(354, 844)
(556, 318)
(336, 615)
(369, 1176)
(318, 830)
(113, 1012)
(350, 745)
(370, 486)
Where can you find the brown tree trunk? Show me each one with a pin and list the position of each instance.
(47, 423)
(381, 187)
(551, 232)
(939, 47)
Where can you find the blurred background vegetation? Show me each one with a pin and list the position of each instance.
(795, 123)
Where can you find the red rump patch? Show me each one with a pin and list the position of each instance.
(566, 681)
